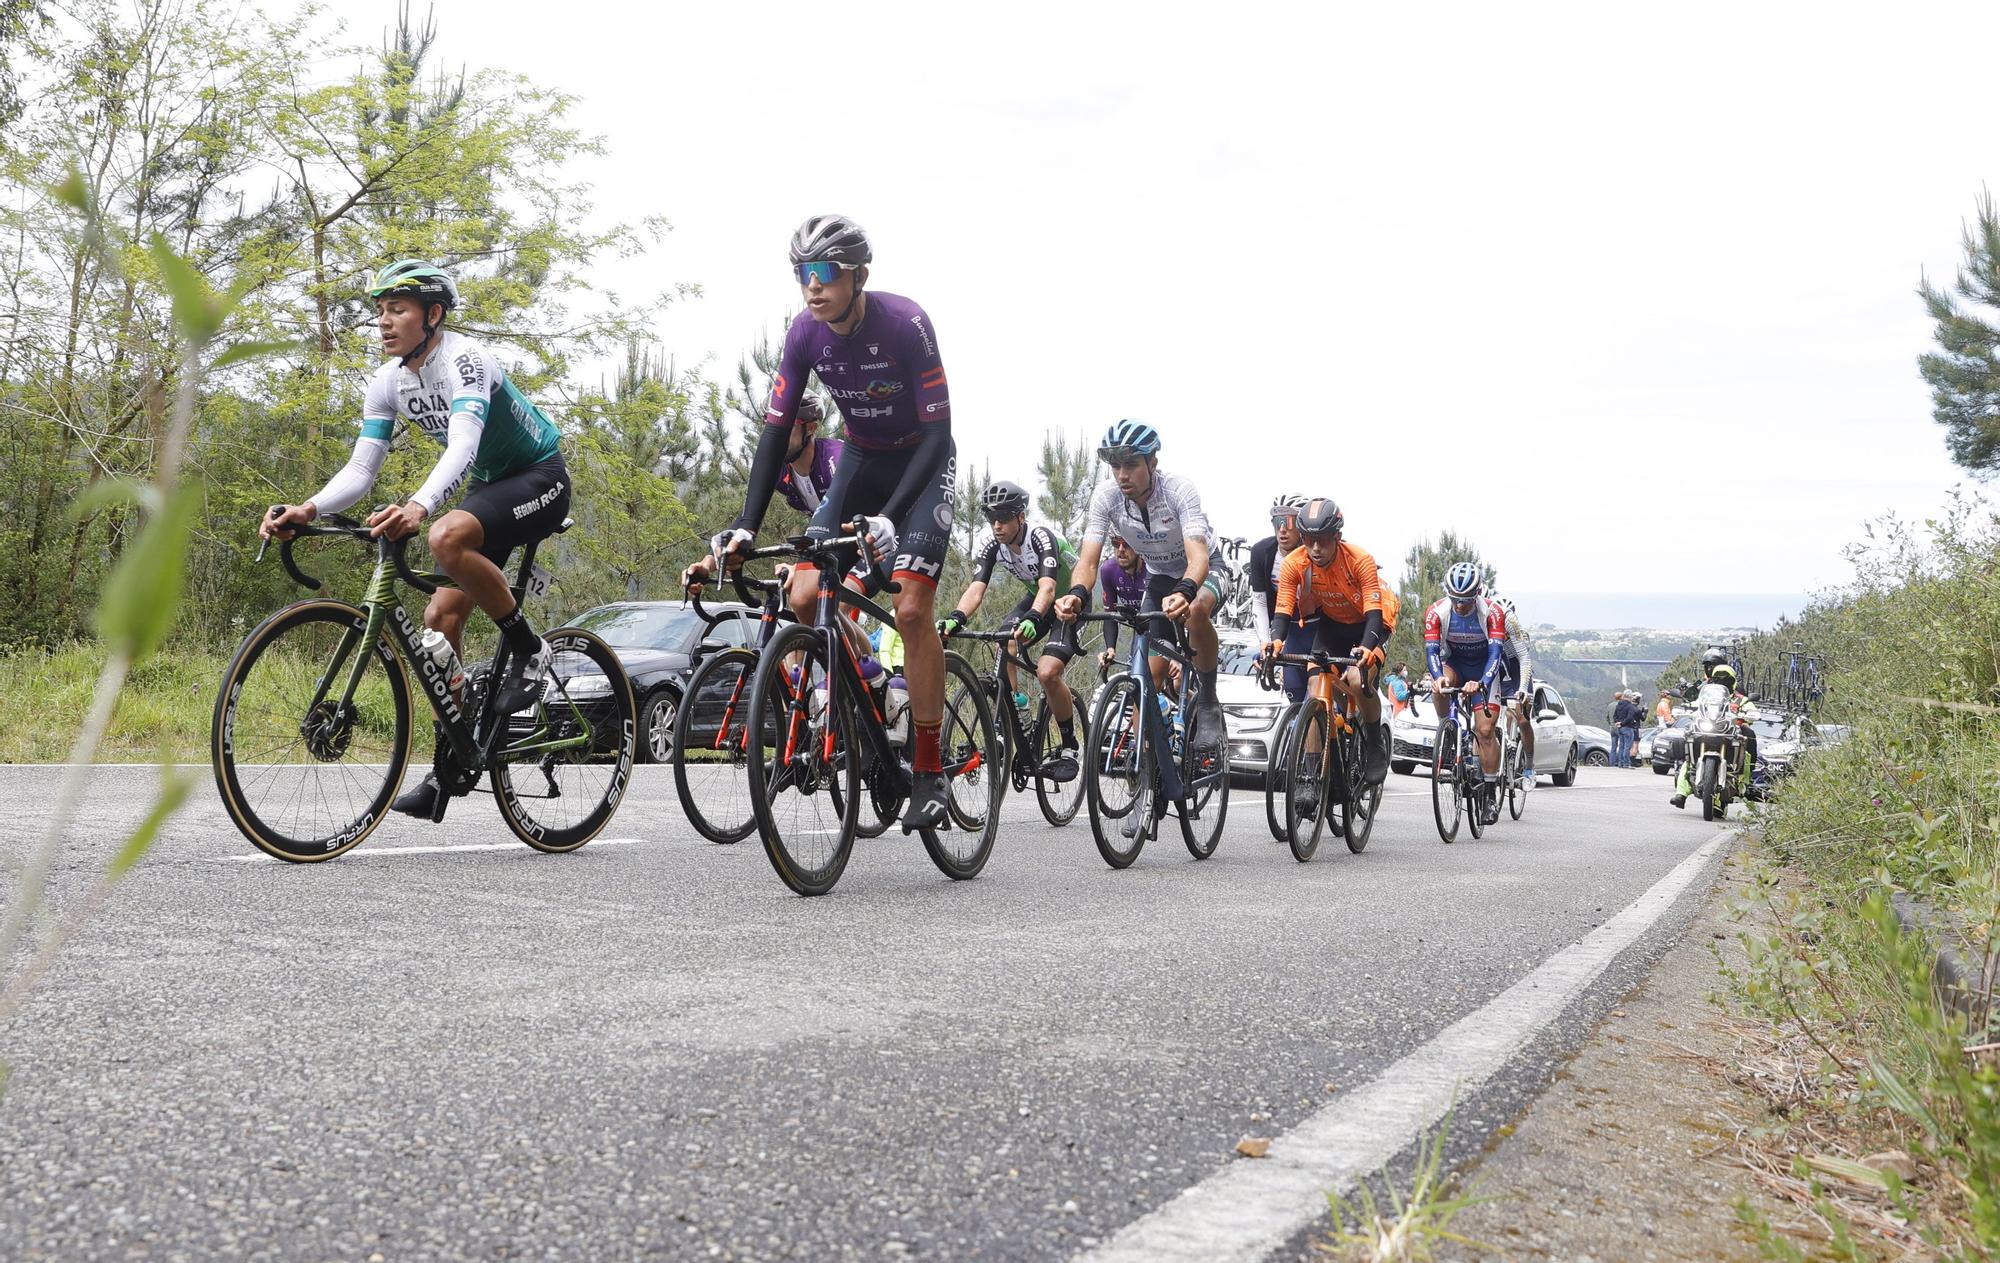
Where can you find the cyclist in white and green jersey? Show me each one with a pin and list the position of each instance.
(454, 390)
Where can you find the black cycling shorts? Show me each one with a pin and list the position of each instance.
(1059, 638)
(1342, 640)
(863, 484)
(522, 508)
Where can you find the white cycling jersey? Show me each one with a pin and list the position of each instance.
(461, 397)
(1159, 529)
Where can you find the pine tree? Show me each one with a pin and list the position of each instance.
(1964, 375)
(1424, 568)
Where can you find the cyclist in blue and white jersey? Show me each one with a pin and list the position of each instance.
(1463, 638)
(454, 390)
(1161, 517)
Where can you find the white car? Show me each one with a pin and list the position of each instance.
(1414, 732)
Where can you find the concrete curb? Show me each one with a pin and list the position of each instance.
(1963, 984)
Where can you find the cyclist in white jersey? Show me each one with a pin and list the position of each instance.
(1160, 516)
(1517, 678)
(455, 391)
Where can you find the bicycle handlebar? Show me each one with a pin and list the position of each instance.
(1267, 668)
(388, 549)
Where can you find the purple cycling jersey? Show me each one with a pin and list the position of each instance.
(804, 494)
(1121, 586)
(886, 376)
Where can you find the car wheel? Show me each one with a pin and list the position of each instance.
(656, 725)
(1567, 776)
(1402, 767)
(1597, 758)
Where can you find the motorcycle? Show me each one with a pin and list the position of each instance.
(1715, 749)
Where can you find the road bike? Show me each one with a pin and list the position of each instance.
(311, 732)
(1035, 743)
(1323, 752)
(1510, 760)
(1458, 790)
(712, 729)
(1141, 752)
(819, 752)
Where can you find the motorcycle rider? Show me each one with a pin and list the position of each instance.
(1715, 667)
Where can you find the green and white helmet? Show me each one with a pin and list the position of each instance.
(417, 277)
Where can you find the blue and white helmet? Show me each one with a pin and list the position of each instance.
(1462, 581)
(1126, 439)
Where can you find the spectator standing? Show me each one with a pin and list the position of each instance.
(1399, 687)
(1624, 727)
(1664, 710)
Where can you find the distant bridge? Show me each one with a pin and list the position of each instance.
(1624, 674)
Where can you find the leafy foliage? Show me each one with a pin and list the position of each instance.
(1964, 372)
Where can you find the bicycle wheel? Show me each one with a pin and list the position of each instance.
(1517, 789)
(1357, 813)
(1306, 777)
(1059, 800)
(1117, 776)
(304, 770)
(1445, 807)
(711, 736)
(1276, 770)
(564, 763)
(1471, 779)
(975, 768)
(803, 775)
(1202, 813)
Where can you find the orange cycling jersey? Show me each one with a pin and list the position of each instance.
(1347, 591)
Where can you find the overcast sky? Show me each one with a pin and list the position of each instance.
(1626, 261)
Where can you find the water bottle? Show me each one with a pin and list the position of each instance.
(435, 647)
(1022, 712)
(896, 710)
(871, 672)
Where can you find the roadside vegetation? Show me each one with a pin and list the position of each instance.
(1885, 1098)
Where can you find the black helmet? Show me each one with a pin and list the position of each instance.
(833, 238)
(1713, 659)
(1003, 500)
(1321, 517)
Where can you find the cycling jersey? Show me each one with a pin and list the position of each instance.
(1122, 588)
(1158, 530)
(805, 493)
(1471, 640)
(1514, 662)
(886, 376)
(1347, 591)
(462, 398)
(1040, 555)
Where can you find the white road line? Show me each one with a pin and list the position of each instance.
(363, 853)
(1253, 1206)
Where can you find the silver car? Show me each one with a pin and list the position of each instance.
(1414, 734)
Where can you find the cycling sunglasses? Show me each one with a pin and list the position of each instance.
(1283, 519)
(1120, 455)
(822, 270)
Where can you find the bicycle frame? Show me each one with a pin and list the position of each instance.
(1153, 734)
(474, 744)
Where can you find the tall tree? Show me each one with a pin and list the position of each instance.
(1422, 582)
(1964, 373)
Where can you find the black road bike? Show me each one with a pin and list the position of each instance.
(1458, 788)
(1034, 747)
(1323, 751)
(311, 734)
(820, 755)
(1139, 754)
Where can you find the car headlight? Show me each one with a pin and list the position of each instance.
(1255, 712)
(593, 685)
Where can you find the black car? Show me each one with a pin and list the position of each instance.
(656, 641)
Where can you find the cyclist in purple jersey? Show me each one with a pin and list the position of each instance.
(1123, 577)
(877, 355)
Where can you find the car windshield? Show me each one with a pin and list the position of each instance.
(641, 626)
(1237, 659)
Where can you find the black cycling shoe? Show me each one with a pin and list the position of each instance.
(1306, 799)
(420, 801)
(523, 684)
(1063, 768)
(1374, 760)
(929, 808)
(1211, 730)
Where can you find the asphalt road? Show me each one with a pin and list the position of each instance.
(652, 1048)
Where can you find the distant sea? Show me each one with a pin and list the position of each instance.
(1676, 611)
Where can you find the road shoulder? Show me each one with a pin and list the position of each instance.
(1630, 1153)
